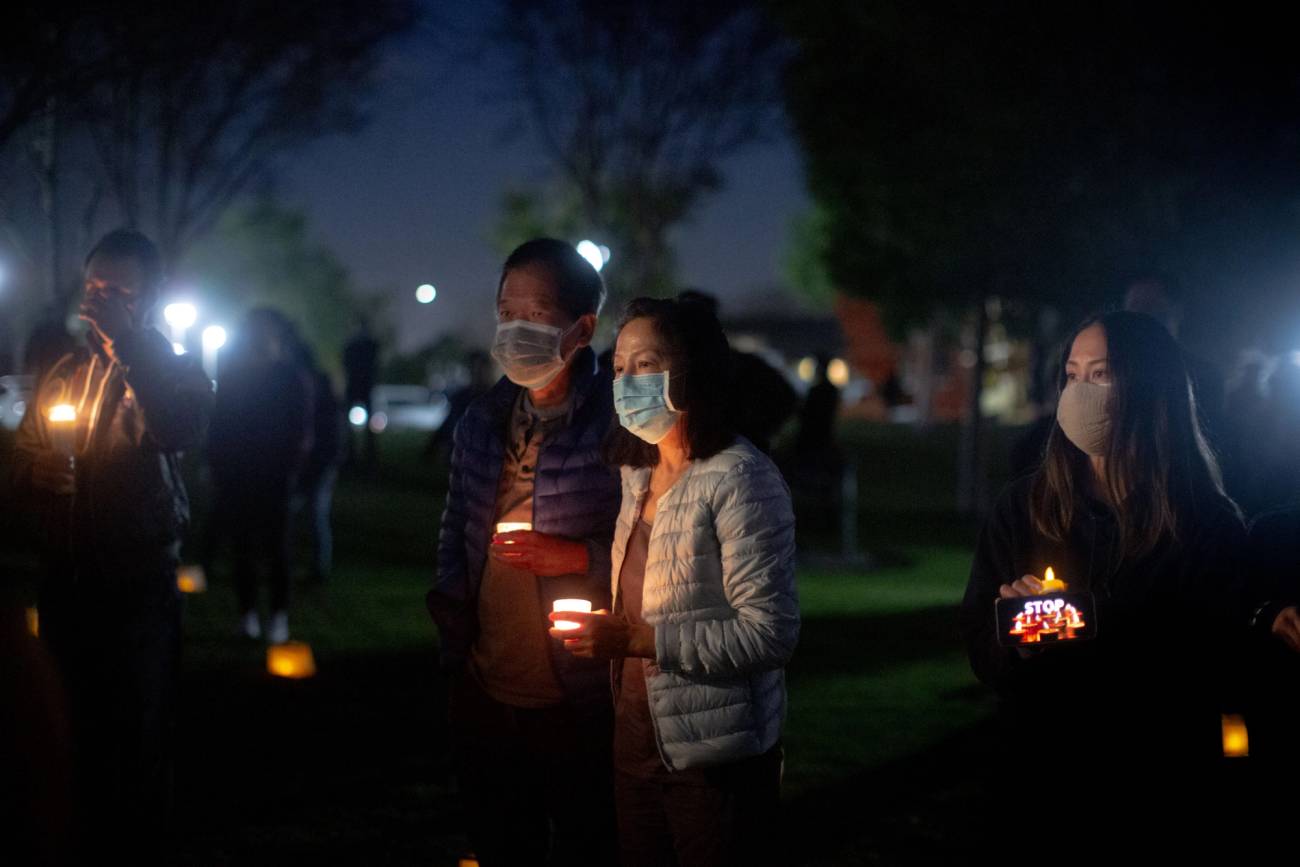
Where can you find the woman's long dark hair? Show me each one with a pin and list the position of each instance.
(1159, 468)
(699, 358)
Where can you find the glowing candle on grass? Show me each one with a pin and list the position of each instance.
(292, 659)
(570, 605)
(34, 622)
(1236, 741)
(1052, 584)
(191, 579)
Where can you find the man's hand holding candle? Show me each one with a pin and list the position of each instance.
(540, 553)
(601, 636)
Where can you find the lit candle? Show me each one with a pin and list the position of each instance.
(512, 526)
(34, 622)
(292, 659)
(570, 605)
(1052, 584)
(63, 427)
(191, 579)
(1236, 742)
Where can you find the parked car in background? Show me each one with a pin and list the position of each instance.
(401, 407)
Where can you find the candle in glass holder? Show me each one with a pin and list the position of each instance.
(63, 427)
(570, 605)
(191, 579)
(512, 526)
(292, 659)
(1236, 741)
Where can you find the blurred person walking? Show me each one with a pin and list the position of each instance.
(259, 443)
(314, 494)
(361, 375)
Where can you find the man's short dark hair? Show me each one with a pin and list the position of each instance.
(578, 284)
(131, 244)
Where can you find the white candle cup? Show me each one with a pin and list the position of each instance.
(63, 428)
(512, 526)
(570, 605)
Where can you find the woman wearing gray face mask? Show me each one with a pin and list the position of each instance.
(1126, 506)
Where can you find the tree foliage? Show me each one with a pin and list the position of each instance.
(1040, 151)
(263, 255)
(635, 104)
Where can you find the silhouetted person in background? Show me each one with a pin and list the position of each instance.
(814, 465)
(315, 490)
(479, 366)
(361, 372)
(1159, 297)
(757, 420)
(107, 491)
(260, 439)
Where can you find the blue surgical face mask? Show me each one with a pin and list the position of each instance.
(643, 405)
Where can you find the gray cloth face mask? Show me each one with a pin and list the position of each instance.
(1083, 412)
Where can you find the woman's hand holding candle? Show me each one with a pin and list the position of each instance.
(540, 553)
(1025, 585)
(601, 636)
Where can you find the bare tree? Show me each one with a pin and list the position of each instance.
(637, 103)
(207, 94)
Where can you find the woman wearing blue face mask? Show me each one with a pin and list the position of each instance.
(705, 612)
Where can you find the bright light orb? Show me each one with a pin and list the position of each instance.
(358, 415)
(214, 337)
(589, 251)
(180, 314)
(378, 422)
(178, 348)
(426, 293)
(838, 372)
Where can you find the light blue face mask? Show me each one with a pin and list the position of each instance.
(643, 405)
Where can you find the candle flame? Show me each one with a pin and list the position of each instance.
(1049, 575)
(62, 413)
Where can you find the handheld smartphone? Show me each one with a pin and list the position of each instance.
(1049, 618)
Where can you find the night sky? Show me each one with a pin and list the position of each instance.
(413, 197)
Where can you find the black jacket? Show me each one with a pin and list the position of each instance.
(134, 416)
(1170, 627)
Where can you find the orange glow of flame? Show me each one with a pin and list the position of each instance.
(570, 605)
(1236, 741)
(62, 413)
(293, 659)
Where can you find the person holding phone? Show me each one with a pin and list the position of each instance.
(1127, 506)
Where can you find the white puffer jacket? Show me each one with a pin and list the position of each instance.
(720, 593)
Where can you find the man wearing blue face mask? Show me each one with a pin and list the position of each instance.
(531, 723)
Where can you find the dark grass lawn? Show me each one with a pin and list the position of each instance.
(885, 726)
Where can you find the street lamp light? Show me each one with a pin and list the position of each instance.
(593, 253)
(425, 293)
(180, 315)
(214, 337)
